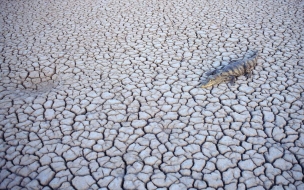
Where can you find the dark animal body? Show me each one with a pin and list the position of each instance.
(232, 70)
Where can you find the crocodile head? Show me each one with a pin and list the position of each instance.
(212, 80)
(253, 54)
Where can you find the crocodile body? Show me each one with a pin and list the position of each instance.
(232, 70)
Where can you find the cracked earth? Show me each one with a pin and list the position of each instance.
(105, 95)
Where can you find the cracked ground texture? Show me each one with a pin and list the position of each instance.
(105, 95)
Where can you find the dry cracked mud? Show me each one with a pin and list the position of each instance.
(104, 95)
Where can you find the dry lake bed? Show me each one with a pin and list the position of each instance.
(105, 95)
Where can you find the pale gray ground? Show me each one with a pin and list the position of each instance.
(103, 94)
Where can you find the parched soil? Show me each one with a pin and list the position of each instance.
(105, 94)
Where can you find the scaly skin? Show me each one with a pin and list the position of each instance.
(213, 80)
(232, 70)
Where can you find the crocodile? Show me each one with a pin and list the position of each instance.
(234, 69)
